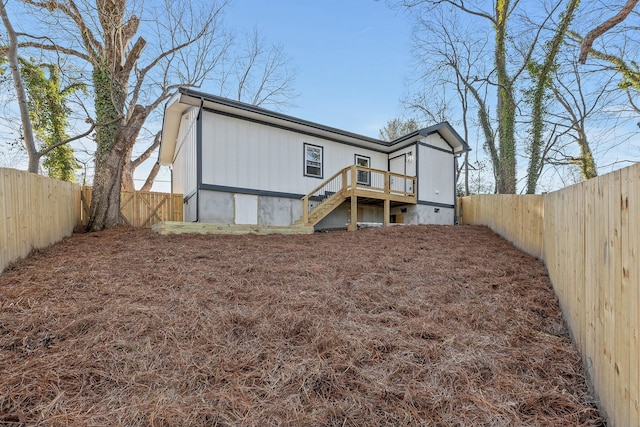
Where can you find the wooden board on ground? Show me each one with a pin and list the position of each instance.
(171, 227)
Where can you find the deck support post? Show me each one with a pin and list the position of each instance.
(387, 212)
(305, 210)
(353, 225)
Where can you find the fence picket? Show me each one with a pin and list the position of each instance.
(37, 211)
(587, 234)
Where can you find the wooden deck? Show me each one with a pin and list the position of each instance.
(359, 185)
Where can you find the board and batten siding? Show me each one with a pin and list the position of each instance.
(185, 164)
(410, 167)
(242, 154)
(436, 172)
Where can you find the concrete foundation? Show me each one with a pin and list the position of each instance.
(424, 214)
(219, 208)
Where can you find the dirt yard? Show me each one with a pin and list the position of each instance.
(405, 326)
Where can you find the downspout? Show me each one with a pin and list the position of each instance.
(456, 220)
(171, 193)
(198, 158)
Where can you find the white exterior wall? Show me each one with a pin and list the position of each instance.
(410, 165)
(436, 172)
(184, 166)
(242, 154)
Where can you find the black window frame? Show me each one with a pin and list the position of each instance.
(305, 165)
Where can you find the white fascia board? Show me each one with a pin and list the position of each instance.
(186, 98)
(170, 127)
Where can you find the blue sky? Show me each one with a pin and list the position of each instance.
(353, 57)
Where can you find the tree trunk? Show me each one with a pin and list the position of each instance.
(105, 200)
(21, 93)
(506, 106)
(127, 172)
(542, 84)
(109, 171)
(587, 162)
(151, 177)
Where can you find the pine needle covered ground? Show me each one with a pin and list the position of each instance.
(404, 326)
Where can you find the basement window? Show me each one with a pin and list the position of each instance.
(313, 157)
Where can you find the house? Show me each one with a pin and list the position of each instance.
(237, 163)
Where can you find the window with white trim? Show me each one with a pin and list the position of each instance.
(313, 157)
(363, 177)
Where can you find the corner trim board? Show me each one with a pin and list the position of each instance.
(198, 158)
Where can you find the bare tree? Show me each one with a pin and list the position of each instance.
(542, 74)
(396, 128)
(504, 75)
(130, 78)
(28, 137)
(451, 63)
(263, 73)
(21, 93)
(582, 97)
(252, 71)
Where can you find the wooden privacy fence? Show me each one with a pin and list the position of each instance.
(35, 212)
(140, 208)
(589, 238)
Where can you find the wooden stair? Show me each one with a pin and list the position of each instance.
(327, 206)
(355, 182)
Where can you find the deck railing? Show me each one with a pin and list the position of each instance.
(363, 182)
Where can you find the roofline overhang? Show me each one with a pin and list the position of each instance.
(186, 98)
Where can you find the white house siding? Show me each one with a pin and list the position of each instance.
(251, 156)
(436, 140)
(409, 154)
(435, 174)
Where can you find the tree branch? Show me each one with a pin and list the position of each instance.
(147, 153)
(90, 42)
(82, 135)
(53, 48)
(592, 35)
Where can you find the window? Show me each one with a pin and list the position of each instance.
(312, 161)
(363, 177)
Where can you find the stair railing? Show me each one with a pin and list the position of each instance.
(321, 194)
(352, 178)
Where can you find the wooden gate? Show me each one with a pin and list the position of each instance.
(140, 208)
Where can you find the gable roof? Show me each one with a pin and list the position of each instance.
(187, 98)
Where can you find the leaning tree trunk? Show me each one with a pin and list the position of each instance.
(127, 172)
(151, 177)
(21, 92)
